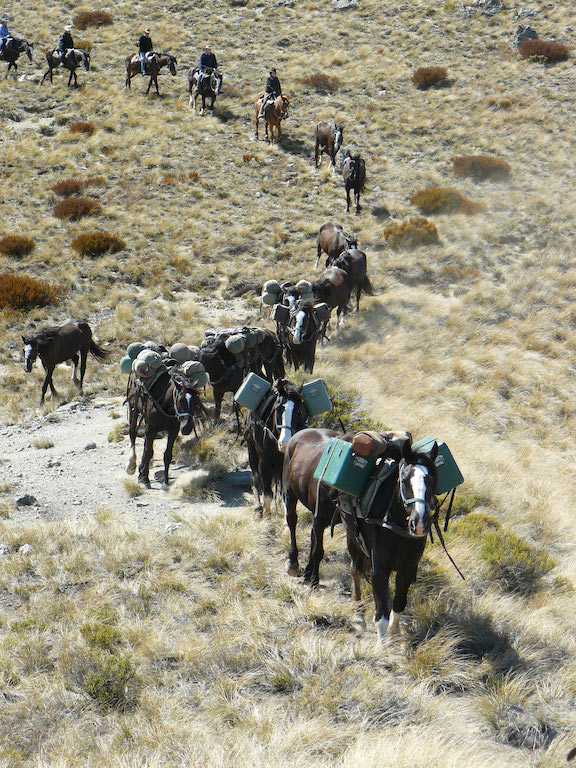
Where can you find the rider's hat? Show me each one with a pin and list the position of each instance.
(68, 28)
(273, 71)
(146, 31)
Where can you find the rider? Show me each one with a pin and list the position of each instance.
(4, 33)
(65, 42)
(207, 63)
(144, 46)
(272, 89)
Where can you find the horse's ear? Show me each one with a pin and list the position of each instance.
(406, 449)
(433, 452)
(24, 340)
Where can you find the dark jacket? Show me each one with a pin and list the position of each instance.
(273, 86)
(145, 44)
(65, 42)
(208, 61)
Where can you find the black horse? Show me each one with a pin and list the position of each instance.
(209, 88)
(53, 345)
(328, 138)
(299, 333)
(354, 175)
(392, 536)
(281, 414)
(13, 47)
(171, 404)
(353, 262)
(71, 60)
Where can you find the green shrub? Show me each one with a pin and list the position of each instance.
(74, 208)
(345, 411)
(15, 245)
(411, 234)
(545, 50)
(426, 77)
(481, 167)
(102, 636)
(444, 200)
(97, 243)
(86, 19)
(110, 680)
(25, 292)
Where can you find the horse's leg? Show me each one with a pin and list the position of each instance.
(381, 592)
(149, 84)
(279, 129)
(356, 559)
(357, 199)
(75, 360)
(132, 431)
(47, 382)
(70, 78)
(257, 123)
(156, 84)
(316, 163)
(321, 521)
(147, 453)
(48, 72)
(172, 435)
(404, 578)
(347, 200)
(83, 359)
(290, 502)
(256, 483)
(195, 99)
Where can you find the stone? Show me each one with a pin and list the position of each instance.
(4, 549)
(524, 13)
(25, 549)
(26, 501)
(344, 5)
(90, 446)
(525, 33)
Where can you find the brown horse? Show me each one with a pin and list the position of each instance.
(71, 60)
(152, 64)
(354, 175)
(70, 341)
(273, 116)
(328, 138)
(333, 288)
(353, 262)
(332, 240)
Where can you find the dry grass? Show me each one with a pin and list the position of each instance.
(411, 234)
(445, 200)
(86, 19)
(481, 167)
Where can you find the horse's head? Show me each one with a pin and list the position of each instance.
(416, 484)
(30, 352)
(29, 50)
(86, 60)
(281, 104)
(186, 403)
(216, 81)
(302, 325)
(290, 411)
(172, 61)
(338, 137)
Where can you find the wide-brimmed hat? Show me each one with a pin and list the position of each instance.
(146, 31)
(273, 71)
(68, 28)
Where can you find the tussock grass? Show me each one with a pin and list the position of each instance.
(82, 126)
(16, 245)
(444, 200)
(97, 243)
(543, 50)
(481, 167)
(25, 292)
(86, 19)
(411, 234)
(426, 77)
(75, 208)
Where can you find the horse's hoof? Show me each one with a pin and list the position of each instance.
(293, 569)
(130, 469)
(258, 512)
(145, 484)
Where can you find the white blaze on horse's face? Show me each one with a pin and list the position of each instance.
(291, 301)
(286, 426)
(338, 139)
(28, 362)
(417, 521)
(297, 334)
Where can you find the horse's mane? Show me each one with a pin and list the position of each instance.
(291, 390)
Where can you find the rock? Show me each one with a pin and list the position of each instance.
(489, 7)
(25, 549)
(4, 549)
(344, 5)
(524, 13)
(26, 501)
(53, 463)
(169, 527)
(90, 446)
(525, 33)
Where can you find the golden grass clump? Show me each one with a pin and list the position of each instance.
(83, 45)
(426, 77)
(548, 50)
(444, 200)
(74, 208)
(411, 234)
(97, 243)
(16, 245)
(321, 81)
(82, 126)
(25, 292)
(86, 19)
(481, 167)
(68, 187)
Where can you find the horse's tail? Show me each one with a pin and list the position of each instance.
(99, 352)
(367, 287)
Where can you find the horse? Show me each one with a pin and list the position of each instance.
(393, 536)
(333, 288)
(55, 344)
(332, 239)
(281, 414)
(328, 138)
(152, 66)
(270, 351)
(299, 334)
(171, 404)
(353, 262)
(354, 175)
(210, 86)
(273, 116)
(13, 47)
(71, 60)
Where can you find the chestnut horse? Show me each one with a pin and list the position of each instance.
(333, 288)
(332, 240)
(328, 138)
(273, 116)
(152, 64)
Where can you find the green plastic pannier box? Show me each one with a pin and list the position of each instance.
(316, 397)
(251, 392)
(449, 476)
(341, 468)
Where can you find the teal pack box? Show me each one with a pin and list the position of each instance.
(341, 468)
(252, 391)
(449, 476)
(316, 397)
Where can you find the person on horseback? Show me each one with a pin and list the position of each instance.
(4, 34)
(272, 89)
(144, 46)
(206, 65)
(65, 43)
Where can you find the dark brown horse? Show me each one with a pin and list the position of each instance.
(210, 86)
(152, 64)
(353, 262)
(281, 414)
(299, 333)
(70, 341)
(391, 534)
(13, 47)
(273, 116)
(70, 60)
(328, 138)
(332, 240)
(333, 288)
(354, 175)
(172, 404)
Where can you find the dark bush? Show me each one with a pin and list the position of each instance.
(15, 245)
(25, 292)
(411, 234)
(97, 243)
(68, 187)
(86, 19)
(426, 77)
(481, 167)
(321, 81)
(74, 208)
(81, 126)
(444, 200)
(548, 50)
